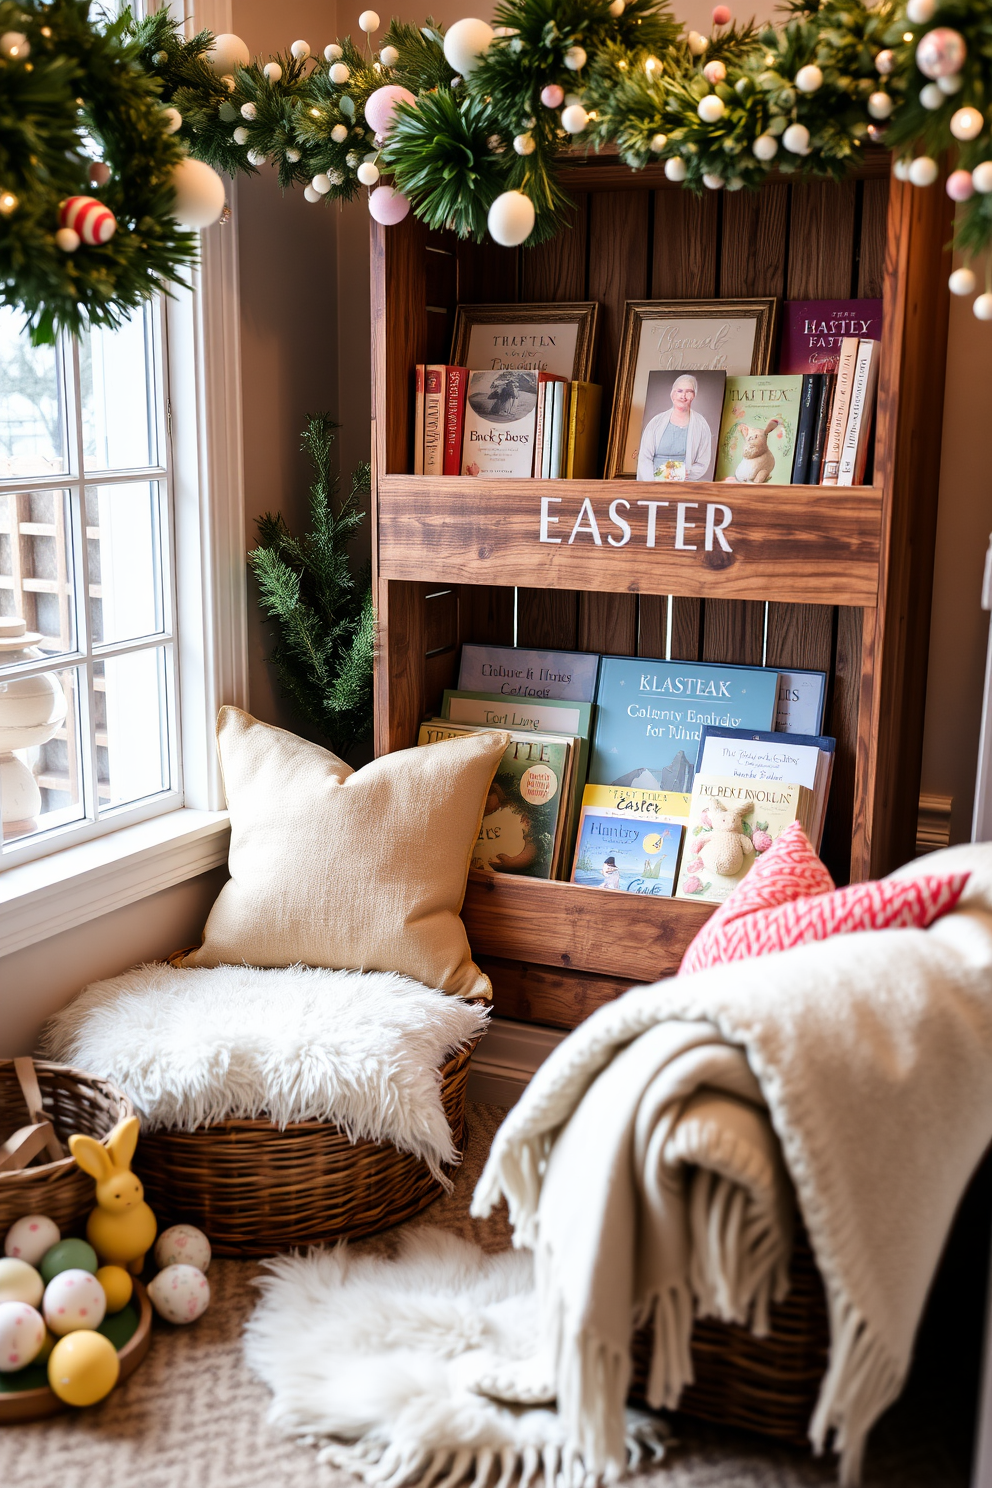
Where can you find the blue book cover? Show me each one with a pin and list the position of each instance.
(626, 853)
(650, 714)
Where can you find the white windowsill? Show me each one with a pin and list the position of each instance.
(80, 883)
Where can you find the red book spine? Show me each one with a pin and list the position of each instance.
(454, 419)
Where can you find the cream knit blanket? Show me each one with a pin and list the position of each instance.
(642, 1164)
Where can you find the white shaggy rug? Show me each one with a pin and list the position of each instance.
(383, 1363)
(194, 1046)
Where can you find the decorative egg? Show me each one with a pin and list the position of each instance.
(982, 176)
(74, 1300)
(180, 1294)
(183, 1243)
(466, 43)
(22, 1334)
(388, 206)
(511, 218)
(20, 1282)
(117, 1286)
(68, 1255)
(227, 54)
(941, 52)
(94, 222)
(796, 139)
(676, 169)
(199, 194)
(29, 1238)
(379, 106)
(83, 1368)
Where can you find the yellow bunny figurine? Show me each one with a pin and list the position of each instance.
(122, 1227)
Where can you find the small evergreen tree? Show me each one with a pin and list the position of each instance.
(325, 621)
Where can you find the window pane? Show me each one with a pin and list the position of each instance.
(123, 531)
(117, 387)
(132, 726)
(40, 752)
(36, 565)
(32, 418)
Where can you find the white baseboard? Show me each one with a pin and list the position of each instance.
(507, 1058)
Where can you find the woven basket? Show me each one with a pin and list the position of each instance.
(253, 1188)
(73, 1102)
(770, 1384)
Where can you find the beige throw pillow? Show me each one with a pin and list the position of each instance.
(364, 869)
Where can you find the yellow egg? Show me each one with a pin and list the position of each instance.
(83, 1368)
(117, 1285)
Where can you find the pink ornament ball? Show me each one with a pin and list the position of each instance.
(960, 186)
(552, 96)
(95, 223)
(388, 205)
(721, 15)
(379, 105)
(99, 173)
(941, 52)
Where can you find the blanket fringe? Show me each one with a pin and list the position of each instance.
(671, 1356)
(739, 1255)
(861, 1382)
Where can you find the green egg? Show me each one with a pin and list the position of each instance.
(68, 1255)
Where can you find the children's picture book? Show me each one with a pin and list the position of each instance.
(731, 823)
(758, 430)
(629, 853)
(649, 716)
(680, 430)
(799, 759)
(812, 331)
(500, 423)
(519, 672)
(802, 698)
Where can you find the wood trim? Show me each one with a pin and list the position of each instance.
(605, 171)
(548, 994)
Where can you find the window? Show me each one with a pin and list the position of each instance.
(88, 695)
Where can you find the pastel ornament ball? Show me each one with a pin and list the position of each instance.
(199, 192)
(381, 105)
(920, 11)
(711, 109)
(931, 96)
(20, 1282)
(880, 105)
(310, 195)
(227, 54)
(923, 171)
(658, 143)
(574, 118)
(339, 73)
(941, 52)
(368, 22)
(575, 58)
(982, 177)
(676, 169)
(300, 50)
(388, 206)
(900, 168)
(511, 219)
(983, 307)
(272, 72)
(885, 62)
(796, 139)
(74, 1300)
(960, 186)
(962, 282)
(389, 56)
(30, 1237)
(765, 147)
(240, 135)
(321, 183)
(83, 1368)
(248, 111)
(339, 133)
(809, 78)
(368, 173)
(697, 43)
(22, 1334)
(721, 15)
(256, 158)
(967, 123)
(617, 9)
(951, 84)
(180, 1294)
(714, 72)
(466, 43)
(333, 52)
(713, 183)
(553, 96)
(524, 144)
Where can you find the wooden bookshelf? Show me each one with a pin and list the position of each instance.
(832, 578)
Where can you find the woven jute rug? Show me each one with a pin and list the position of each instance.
(193, 1417)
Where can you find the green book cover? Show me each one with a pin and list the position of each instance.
(758, 429)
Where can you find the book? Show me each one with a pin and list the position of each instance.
(839, 411)
(809, 405)
(619, 800)
(734, 822)
(559, 414)
(798, 759)
(500, 420)
(822, 424)
(802, 697)
(812, 331)
(522, 672)
(418, 419)
(541, 426)
(582, 445)
(854, 452)
(454, 417)
(649, 716)
(630, 850)
(758, 429)
(434, 420)
(547, 397)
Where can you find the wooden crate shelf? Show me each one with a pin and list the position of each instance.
(797, 544)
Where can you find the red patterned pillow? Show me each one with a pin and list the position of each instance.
(788, 899)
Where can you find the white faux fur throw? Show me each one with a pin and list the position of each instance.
(873, 1056)
(380, 1361)
(199, 1045)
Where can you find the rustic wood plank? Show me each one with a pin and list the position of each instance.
(545, 994)
(800, 636)
(486, 613)
(608, 624)
(618, 271)
(487, 273)
(556, 270)
(652, 625)
(548, 618)
(752, 251)
(871, 253)
(568, 925)
(821, 239)
(685, 245)
(604, 171)
(733, 631)
(399, 337)
(440, 619)
(399, 664)
(687, 629)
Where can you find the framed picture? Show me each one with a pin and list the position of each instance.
(557, 338)
(731, 336)
(680, 427)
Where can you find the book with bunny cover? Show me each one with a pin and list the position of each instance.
(758, 429)
(731, 823)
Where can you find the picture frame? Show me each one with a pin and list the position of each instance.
(556, 338)
(735, 336)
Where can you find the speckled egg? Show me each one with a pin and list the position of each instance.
(74, 1300)
(20, 1282)
(29, 1238)
(22, 1334)
(183, 1245)
(180, 1294)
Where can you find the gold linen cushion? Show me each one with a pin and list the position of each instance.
(363, 869)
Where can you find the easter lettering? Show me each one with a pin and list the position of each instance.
(687, 526)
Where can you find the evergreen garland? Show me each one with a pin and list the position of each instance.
(325, 622)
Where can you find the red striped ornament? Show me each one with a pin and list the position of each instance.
(95, 223)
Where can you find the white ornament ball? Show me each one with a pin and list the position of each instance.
(67, 240)
(340, 72)
(339, 133)
(256, 157)
(931, 96)
(714, 72)
(900, 168)
(466, 43)
(574, 118)
(951, 84)
(983, 307)
(675, 169)
(388, 206)
(368, 173)
(809, 78)
(711, 108)
(967, 123)
(617, 9)
(332, 52)
(240, 135)
(15, 46)
(941, 52)
(524, 144)
(796, 139)
(180, 1294)
(696, 43)
(389, 56)
(20, 1282)
(321, 183)
(765, 147)
(920, 11)
(248, 111)
(300, 50)
(199, 193)
(981, 177)
(272, 71)
(575, 58)
(74, 1300)
(368, 22)
(658, 143)
(293, 156)
(714, 183)
(880, 105)
(183, 1244)
(227, 54)
(923, 171)
(172, 120)
(736, 183)
(962, 282)
(511, 219)
(22, 1333)
(29, 1238)
(310, 195)
(885, 62)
